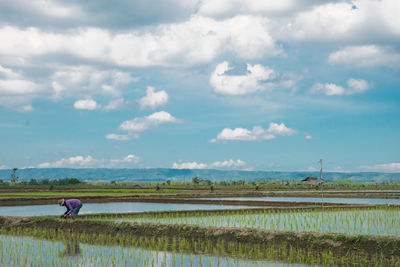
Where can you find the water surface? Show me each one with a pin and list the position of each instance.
(318, 200)
(28, 251)
(111, 207)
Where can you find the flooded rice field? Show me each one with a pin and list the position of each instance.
(29, 251)
(371, 201)
(111, 207)
(374, 221)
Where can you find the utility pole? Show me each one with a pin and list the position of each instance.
(320, 181)
(320, 171)
(14, 177)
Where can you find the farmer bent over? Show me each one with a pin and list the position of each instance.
(73, 206)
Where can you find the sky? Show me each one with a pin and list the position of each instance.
(238, 84)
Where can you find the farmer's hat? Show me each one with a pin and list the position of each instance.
(61, 202)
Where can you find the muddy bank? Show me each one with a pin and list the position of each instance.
(334, 243)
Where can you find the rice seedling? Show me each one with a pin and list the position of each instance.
(60, 248)
(372, 221)
(30, 244)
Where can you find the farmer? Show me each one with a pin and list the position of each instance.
(73, 206)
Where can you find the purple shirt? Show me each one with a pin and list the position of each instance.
(71, 204)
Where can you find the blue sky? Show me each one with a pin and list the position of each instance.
(242, 84)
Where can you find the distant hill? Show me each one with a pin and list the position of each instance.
(160, 174)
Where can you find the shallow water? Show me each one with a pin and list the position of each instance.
(27, 251)
(318, 200)
(111, 207)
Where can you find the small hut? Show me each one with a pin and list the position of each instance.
(310, 180)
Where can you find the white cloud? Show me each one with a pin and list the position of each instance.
(365, 56)
(308, 137)
(234, 164)
(198, 40)
(189, 165)
(128, 159)
(258, 133)
(251, 82)
(16, 92)
(388, 167)
(79, 82)
(327, 89)
(358, 20)
(225, 8)
(241, 134)
(357, 86)
(49, 8)
(8, 73)
(3, 167)
(153, 99)
(328, 21)
(90, 162)
(88, 104)
(25, 108)
(354, 87)
(77, 161)
(12, 83)
(120, 137)
(321, 21)
(228, 164)
(115, 104)
(86, 81)
(142, 124)
(18, 87)
(280, 129)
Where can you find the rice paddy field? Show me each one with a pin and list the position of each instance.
(375, 221)
(111, 207)
(69, 253)
(46, 247)
(196, 227)
(313, 236)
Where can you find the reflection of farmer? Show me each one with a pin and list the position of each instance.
(71, 249)
(73, 206)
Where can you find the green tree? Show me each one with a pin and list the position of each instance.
(196, 180)
(45, 181)
(33, 182)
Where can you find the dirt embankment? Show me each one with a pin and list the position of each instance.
(335, 243)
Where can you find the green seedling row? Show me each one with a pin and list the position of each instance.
(382, 221)
(63, 248)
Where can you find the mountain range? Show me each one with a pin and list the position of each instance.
(163, 174)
